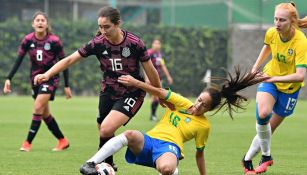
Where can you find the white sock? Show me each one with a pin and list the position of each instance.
(176, 172)
(109, 148)
(264, 133)
(253, 149)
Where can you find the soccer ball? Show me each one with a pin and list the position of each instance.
(104, 169)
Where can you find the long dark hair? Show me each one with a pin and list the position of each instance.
(109, 12)
(227, 94)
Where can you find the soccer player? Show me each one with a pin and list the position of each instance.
(44, 49)
(119, 53)
(276, 98)
(162, 146)
(159, 63)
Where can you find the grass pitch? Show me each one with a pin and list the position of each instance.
(228, 142)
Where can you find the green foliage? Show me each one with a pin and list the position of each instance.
(188, 52)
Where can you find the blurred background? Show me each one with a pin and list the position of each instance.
(196, 35)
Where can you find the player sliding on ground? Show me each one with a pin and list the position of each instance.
(162, 146)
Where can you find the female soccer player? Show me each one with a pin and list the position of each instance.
(276, 98)
(162, 146)
(44, 49)
(159, 63)
(119, 53)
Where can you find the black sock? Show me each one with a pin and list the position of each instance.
(53, 127)
(102, 141)
(154, 107)
(35, 124)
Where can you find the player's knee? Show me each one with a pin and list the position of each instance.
(263, 112)
(166, 169)
(130, 134)
(106, 131)
(38, 108)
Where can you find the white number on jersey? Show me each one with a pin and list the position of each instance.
(116, 64)
(39, 55)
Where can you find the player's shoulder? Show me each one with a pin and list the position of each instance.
(132, 37)
(29, 36)
(271, 31)
(53, 37)
(300, 35)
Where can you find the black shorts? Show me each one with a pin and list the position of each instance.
(48, 87)
(129, 104)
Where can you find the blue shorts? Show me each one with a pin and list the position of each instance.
(153, 149)
(285, 103)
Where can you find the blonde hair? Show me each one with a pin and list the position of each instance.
(294, 16)
(46, 16)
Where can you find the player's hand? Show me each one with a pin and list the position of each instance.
(7, 87)
(127, 80)
(170, 80)
(39, 78)
(68, 92)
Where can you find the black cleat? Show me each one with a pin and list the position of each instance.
(114, 166)
(88, 169)
(248, 166)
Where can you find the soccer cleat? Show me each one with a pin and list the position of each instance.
(264, 163)
(248, 166)
(62, 144)
(26, 146)
(88, 169)
(114, 166)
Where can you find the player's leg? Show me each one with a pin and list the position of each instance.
(38, 109)
(154, 107)
(55, 130)
(122, 111)
(266, 95)
(131, 138)
(167, 163)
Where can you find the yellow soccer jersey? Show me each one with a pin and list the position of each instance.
(178, 127)
(286, 57)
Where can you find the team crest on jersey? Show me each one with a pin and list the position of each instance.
(187, 120)
(290, 51)
(47, 46)
(126, 52)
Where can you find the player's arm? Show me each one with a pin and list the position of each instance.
(151, 73)
(128, 80)
(264, 54)
(166, 73)
(7, 84)
(298, 76)
(200, 161)
(58, 67)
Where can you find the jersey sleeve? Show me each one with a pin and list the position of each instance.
(59, 49)
(23, 48)
(301, 54)
(201, 138)
(268, 36)
(88, 49)
(178, 101)
(142, 51)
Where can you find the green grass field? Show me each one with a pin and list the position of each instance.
(228, 141)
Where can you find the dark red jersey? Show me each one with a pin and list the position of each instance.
(117, 60)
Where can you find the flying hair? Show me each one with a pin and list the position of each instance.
(227, 95)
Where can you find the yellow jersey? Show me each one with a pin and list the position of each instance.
(286, 57)
(178, 126)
